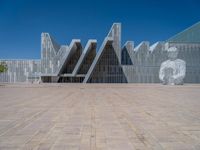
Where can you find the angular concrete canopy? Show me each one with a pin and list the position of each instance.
(114, 38)
(108, 40)
(70, 52)
(84, 54)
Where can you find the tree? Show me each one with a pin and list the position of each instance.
(3, 67)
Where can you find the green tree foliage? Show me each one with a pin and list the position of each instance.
(3, 67)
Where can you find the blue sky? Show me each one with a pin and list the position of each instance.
(23, 21)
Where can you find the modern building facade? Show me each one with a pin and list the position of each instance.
(110, 64)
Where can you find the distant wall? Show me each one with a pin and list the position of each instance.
(21, 71)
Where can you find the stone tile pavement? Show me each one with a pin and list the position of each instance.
(99, 117)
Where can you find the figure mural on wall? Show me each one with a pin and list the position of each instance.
(172, 71)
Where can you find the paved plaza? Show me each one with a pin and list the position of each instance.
(99, 117)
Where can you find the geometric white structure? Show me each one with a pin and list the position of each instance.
(111, 63)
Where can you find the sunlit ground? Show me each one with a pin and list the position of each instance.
(99, 116)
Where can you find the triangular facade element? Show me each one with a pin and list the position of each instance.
(106, 67)
(86, 58)
(190, 35)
